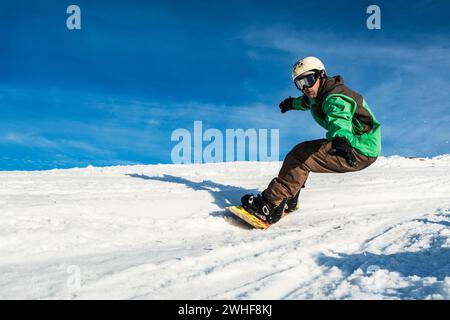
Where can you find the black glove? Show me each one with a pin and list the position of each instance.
(341, 147)
(286, 105)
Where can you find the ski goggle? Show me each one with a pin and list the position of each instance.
(305, 81)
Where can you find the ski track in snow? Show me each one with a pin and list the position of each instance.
(160, 232)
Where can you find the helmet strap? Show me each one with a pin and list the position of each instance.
(322, 74)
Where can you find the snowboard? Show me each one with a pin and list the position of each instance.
(251, 219)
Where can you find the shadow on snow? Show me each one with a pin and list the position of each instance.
(224, 195)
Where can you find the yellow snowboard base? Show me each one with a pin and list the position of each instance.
(248, 217)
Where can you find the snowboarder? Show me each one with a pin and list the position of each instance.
(353, 139)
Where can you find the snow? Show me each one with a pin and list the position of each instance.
(160, 232)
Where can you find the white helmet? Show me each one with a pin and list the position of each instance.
(306, 66)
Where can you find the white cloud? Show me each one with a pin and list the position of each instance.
(32, 140)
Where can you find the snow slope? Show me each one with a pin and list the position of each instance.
(160, 232)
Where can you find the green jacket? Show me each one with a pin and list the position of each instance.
(344, 113)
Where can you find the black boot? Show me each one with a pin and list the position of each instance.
(292, 203)
(264, 209)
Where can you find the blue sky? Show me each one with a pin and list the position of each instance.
(113, 92)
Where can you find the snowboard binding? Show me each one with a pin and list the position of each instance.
(262, 208)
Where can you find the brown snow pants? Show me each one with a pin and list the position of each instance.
(306, 157)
